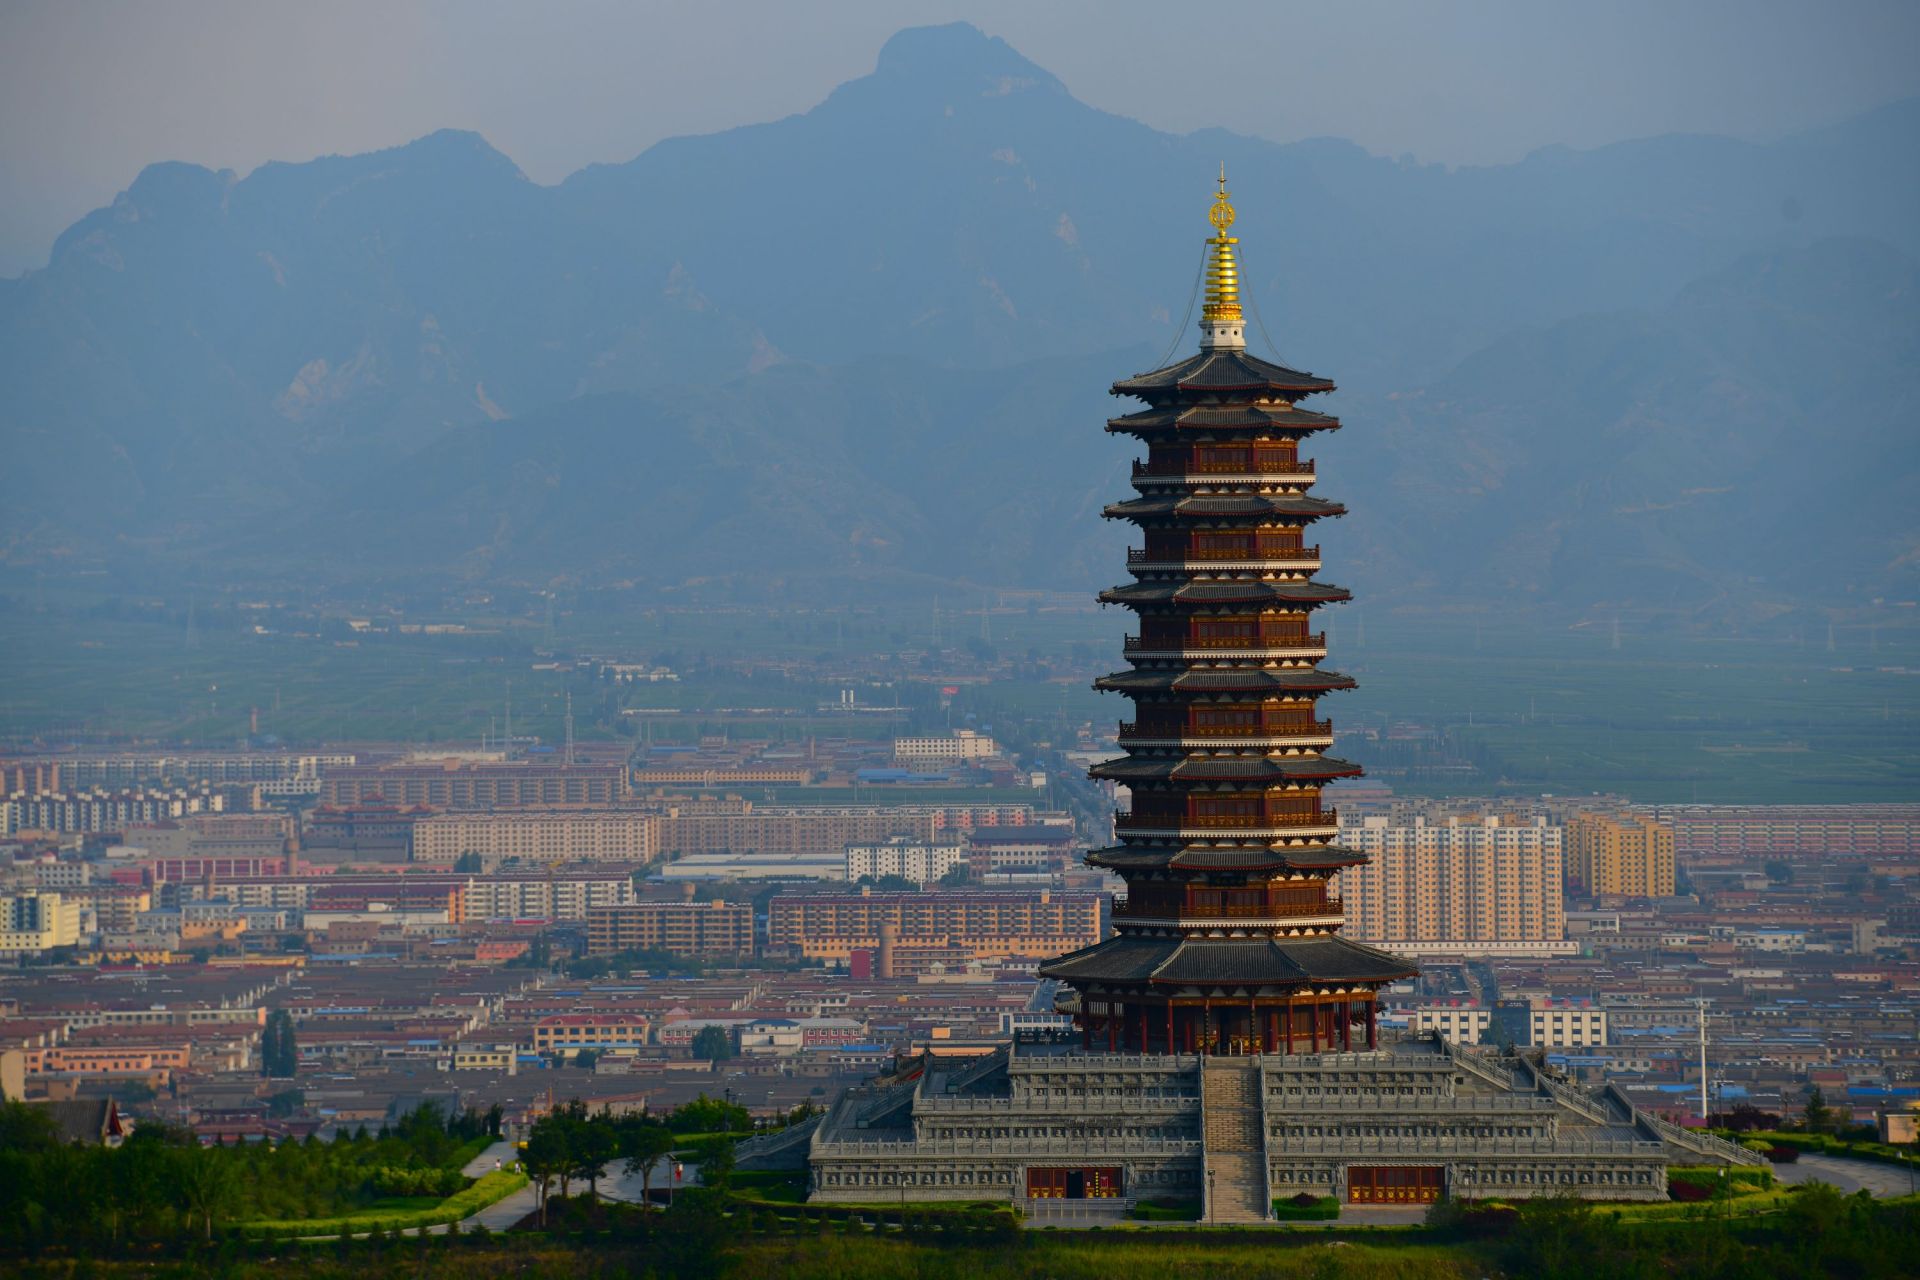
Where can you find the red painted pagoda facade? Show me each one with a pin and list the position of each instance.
(1227, 940)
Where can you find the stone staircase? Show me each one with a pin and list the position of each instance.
(1236, 1150)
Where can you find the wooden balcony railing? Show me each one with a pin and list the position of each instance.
(1150, 555)
(1277, 729)
(1228, 821)
(1311, 640)
(1212, 467)
(1123, 910)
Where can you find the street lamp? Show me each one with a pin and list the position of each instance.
(1210, 1203)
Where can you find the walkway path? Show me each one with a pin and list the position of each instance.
(1849, 1174)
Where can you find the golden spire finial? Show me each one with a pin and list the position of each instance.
(1220, 316)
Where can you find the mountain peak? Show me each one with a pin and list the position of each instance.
(960, 54)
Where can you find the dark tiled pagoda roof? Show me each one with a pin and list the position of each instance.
(1223, 417)
(1221, 370)
(1229, 962)
(1264, 770)
(1225, 680)
(1224, 504)
(1236, 857)
(1233, 591)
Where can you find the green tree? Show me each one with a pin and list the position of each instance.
(204, 1179)
(714, 1043)
(1817, 1116)
(644, 1144)
(716, 1167)
(595, 1144)
(546, 1158)
(469, 864)
(279, 1052)
(709, 1115)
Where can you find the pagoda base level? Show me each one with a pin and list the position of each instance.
(1231, 1028)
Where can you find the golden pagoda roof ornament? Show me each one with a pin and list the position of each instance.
(1220, 318)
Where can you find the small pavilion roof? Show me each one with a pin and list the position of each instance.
(1233, 591)
(1252, 769)
(1201, 961)
(1222, 369)
(1226, 680)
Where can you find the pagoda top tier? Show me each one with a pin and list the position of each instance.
(1221, 371)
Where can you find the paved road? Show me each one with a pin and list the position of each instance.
(1848, 1174)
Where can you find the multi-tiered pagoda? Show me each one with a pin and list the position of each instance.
(1228, 936)
(1229, 1054)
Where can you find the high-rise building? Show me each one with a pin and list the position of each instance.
(34, 922)
(1484, 885)
(1628, 854)
(1228, 939)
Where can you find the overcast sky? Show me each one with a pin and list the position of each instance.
(92, 90)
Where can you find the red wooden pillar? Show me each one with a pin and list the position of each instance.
(1373, 1038)
(1143, 1029)
(1113, 1026)
(1313, 1011)
(1171, 1047)
(1288, 1013)
(1206, 1023)
(1086, 1029)
(1346, 1026)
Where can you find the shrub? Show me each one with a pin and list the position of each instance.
(1306, 1208)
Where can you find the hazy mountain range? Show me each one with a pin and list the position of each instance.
(870, 344)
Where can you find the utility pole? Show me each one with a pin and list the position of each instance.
(1702, 1002)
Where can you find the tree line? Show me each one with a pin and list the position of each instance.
(162, 1182)
(573, 1144)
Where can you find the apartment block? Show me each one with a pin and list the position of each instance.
(1462, 885)
(688, 929)
(34, 922)
(463, 784)
(557, 835)
(993, 925)
(914, 860)
(1627, 854)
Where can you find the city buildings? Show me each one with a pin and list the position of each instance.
(1620, 854)
(1542, 1023)
(695, 930)
(973, 924)
(554, 835)
(914, 860)
(1864, 829)
(739, 826)
(476, 784)
(99, 809)
(31, 923)
(1459, 885)
(963, 745)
